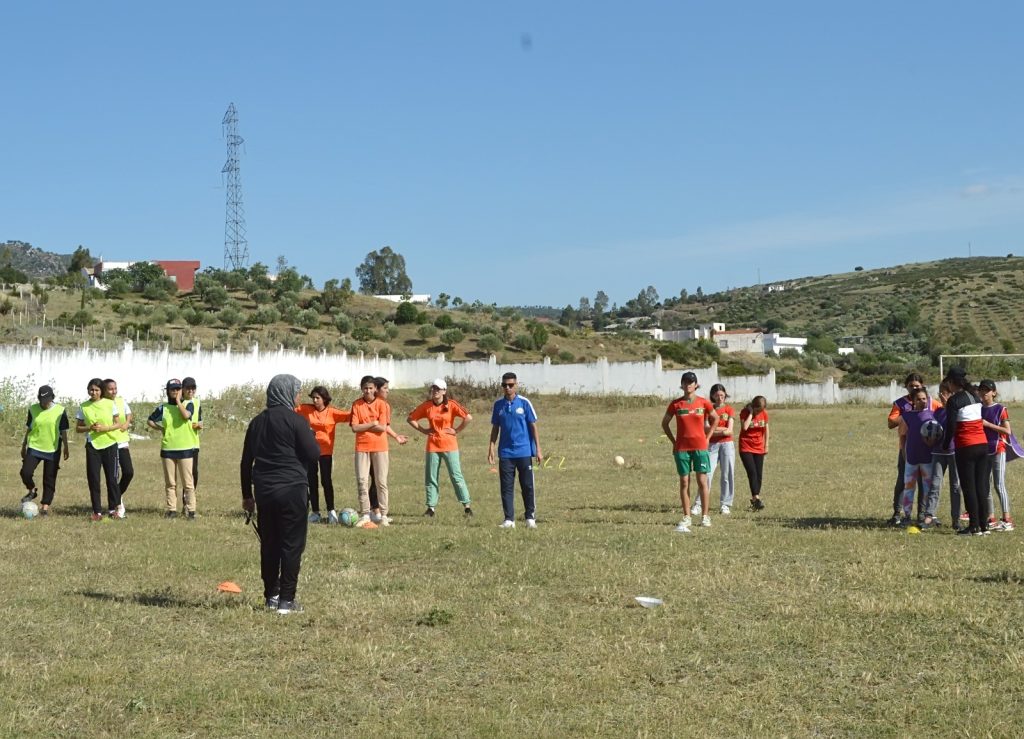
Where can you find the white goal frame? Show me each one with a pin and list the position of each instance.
(942, 372)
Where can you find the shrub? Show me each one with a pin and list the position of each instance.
(426, 331)
(444, 321)
(406, 313)
(363, 333)
(266, 315)
(523, 341)
(390, 330)
(342, 323)
(490, 343)
(452, 336)
(309, 319)
(566, 356)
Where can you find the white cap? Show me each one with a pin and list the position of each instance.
(439, 383)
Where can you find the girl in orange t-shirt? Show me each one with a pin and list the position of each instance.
(721, 449)
(322, 419)
(440, 412)
(754, 446)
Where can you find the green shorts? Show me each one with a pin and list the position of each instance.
(693, 461)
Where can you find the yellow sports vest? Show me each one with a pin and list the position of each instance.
(102, 412)
(177, 430)
(194, 419)
(120, 435)
(44, 436)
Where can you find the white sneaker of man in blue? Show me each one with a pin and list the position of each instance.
(531, 523)
(507, 525)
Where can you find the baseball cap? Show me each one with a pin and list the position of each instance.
(688, 377)
(45, 393)
(439, 383)
(174, 384)
(987, 385)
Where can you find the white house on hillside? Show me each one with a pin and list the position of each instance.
(775, 344)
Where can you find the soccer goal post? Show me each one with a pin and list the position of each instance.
(1008, 366)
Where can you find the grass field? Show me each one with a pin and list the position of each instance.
(810, 618)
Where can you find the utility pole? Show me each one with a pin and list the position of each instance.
(236, 246)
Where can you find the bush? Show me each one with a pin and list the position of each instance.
(406, 313)
(452, 336)
(230, 316)
(262, 297)
(342, 323)
(566, 356)
(363, 333)
(390, 330)
(524, 342)
(309, 319)
(265, 316)
(426, 331)
(444, 321)
(490, 343)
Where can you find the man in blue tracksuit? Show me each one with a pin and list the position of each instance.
(515, 422)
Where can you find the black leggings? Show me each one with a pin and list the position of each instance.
(325, 465)
(972, 467)
(102, 461)
(754, 465)
(124, 462)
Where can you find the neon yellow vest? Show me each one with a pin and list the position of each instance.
(120, 435)
(102, 412)
(177, 431)
(44, 436)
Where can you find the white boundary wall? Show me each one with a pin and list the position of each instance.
(142, 374)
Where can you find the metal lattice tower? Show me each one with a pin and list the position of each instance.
(236, 245)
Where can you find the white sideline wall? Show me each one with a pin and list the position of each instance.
(142, 374)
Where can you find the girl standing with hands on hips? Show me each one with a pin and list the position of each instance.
(754, 446)
(440, 412)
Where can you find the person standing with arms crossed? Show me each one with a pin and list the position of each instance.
(514, 443)
(124, 457)
(696, 420)
(46, 429)
(174, 420)
(754, 437)
(97, 418)
(188, 396)
(371, 423)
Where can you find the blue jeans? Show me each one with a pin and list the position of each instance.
(723, 456)
(507, 469)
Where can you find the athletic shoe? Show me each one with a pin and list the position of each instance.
(965, 517)
(467, 512)
(683, 527)
(507, 524)
(121, 511)
(314, 517)
(332, 517)
(171, 514)
(30, 495)
(1007, 525)
(285, 607)
(44, 510)
(96, 517)
(190, 516)
(429, 513)
(273, 602)
(117, 513)
(385, 520)
(966, 531)
(706, 522)
(757, 504)
(531, 523)
(363, 521)
(695, 509)
(726, 510)
(896, 520)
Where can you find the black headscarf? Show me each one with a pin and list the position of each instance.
(282, 390)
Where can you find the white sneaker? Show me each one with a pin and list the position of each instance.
(696, 509)
(363, 520)
(706, 522)
(683, 527)
(332, 517)
(121, 512)
(531, 523)
(385, 520)
(117, 513)
(726, 510)
(508, 524)
(314, 517)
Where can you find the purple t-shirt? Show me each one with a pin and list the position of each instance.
(993, 414)
(917, 451)
(940, 416)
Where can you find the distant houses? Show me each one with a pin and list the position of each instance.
(181, 272)
(750, 340)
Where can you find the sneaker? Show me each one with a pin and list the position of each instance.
(696, 509)
(314, 517)
(30, 495)
(284, 607)
(965, 531)
(364, 521)
(272, 602)
(429, 513)
(706, 522)
(467, 512)
(96, 517)
(44, 510)
(171, 514)
(507, 524)
(757, 504)
(385, 520)
(531, 523)
(332, 517)
(1007, 525)
(965, 517)
(683, 527)
(190, 516)
(726, 510)
(118, 513)
(121, 511)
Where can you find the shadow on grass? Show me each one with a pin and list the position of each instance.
(824, 522)
(159, 599)
(631, 508)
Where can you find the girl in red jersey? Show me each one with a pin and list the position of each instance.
(754, 446)
(964, 426)
(721, 449)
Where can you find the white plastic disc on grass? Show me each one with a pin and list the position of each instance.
(648, 602)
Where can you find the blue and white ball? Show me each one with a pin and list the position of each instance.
(29, 509)
(931, 431)
(348, 517)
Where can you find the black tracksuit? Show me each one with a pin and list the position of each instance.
(279, 447)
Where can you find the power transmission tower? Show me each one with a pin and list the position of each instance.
(236, 246)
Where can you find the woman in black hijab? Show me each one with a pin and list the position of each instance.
(279, 447)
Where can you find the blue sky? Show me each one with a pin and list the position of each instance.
(521, 153)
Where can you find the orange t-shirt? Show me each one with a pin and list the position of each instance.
(752, 440)
(376, 412)
(323, 423)
(440, 419)
(690, 418)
